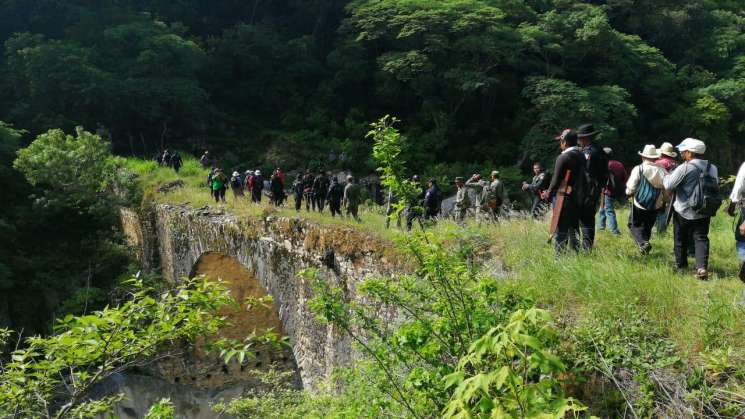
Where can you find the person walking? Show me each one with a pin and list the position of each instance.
(320, 189)
(277, 190)
(666, 161)
(614, 191)
(737, 208)
(480, 186)
(646, 187)
(219, 185)
(535, 188)
(308, 189)
(176, 161)
(432, 200)
(257, 187)
(568, 183)
(462, 200)
(695, 203)
(334, 197)
(596, 171)
(494, 197)
(297, 192)
(205, 160)
(352, 198)
(236, 185)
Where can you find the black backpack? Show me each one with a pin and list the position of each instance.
(706, 197)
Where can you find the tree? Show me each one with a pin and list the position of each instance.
(50, 377)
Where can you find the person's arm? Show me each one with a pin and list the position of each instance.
(737, 190)
(559, 171)
(672, 180)
(633, 182)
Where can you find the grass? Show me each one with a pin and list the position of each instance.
(615, 280)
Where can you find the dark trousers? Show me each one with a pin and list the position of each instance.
(567, 229)
(309, 200)
(641, 223)
(686, 230)
(587, 225)
(319, 202)
(335, 207)
(219, 194)
(256, 195)
(298, 201)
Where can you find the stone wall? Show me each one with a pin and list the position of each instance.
(274, 250)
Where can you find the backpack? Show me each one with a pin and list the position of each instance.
(706, 197)
(493, 195)
(646, 195)
(616, 186)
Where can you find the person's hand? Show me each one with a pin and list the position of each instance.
(544, 195)
(731, 209)
(525, 187)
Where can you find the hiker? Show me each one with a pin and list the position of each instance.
(320, 189)
(334, 197)
(696, 187)
(210, 175)
(614, 191)
(570, 167)
(646, 187)
(414, 206)
(236, 185)
(176, 161)
(219, 185)
(537, 185)
(596, 171)
(352, 197)
(462, 201)
(308, 189)
(737, 202)
(281, 176)
(275, 186)
(666, 161)
(166, 159)
(205, 160)
(257, 186)
(494, 197)
(479, 186)
(297, 192)
(432, 200)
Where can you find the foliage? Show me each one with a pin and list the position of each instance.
(449, 337)
(51, 376)
(163, 409)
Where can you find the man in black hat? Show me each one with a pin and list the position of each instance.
(570, 165)
(597, 177)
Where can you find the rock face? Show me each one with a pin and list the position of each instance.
(274, 250)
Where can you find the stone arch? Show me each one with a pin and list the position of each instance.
(204, 370)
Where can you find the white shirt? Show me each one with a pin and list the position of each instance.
(738, 192)
(654, 174)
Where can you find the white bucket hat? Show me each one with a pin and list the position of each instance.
(650, 152)
(258, 173)
(236, 174)
(692, 145)
(668, 150)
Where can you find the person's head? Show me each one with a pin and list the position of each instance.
(537, 168)
(691, 148)
(649, 153)
(459, 182)
(415, 178)
(206, 152)
(586, 134)
(608, 152)
(476, 176)
(495, 174)
(567, 139)
(258, 173)
(667, 149)
(350, 179)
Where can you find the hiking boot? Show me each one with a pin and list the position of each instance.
(645, 248)
(741, 272)
(702, 274)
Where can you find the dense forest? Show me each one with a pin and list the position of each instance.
(477, 84)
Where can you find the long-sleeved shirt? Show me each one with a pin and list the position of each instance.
(738, 191)
(683, 180)
(618, 172)
(570, 159)
(654, 174)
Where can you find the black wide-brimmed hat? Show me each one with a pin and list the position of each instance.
(586, 130)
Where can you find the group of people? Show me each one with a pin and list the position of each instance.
(169, 159)
(587, 181)
(318, 190)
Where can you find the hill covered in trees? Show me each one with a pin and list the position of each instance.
(297, 82)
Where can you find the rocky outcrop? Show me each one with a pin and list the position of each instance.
(275, 250)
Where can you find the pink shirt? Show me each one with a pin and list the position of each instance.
(667, 163)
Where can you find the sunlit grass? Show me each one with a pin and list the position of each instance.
(614, 280)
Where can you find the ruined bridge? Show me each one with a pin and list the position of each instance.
(262, 256)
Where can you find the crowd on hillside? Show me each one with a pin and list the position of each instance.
(586, 186)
